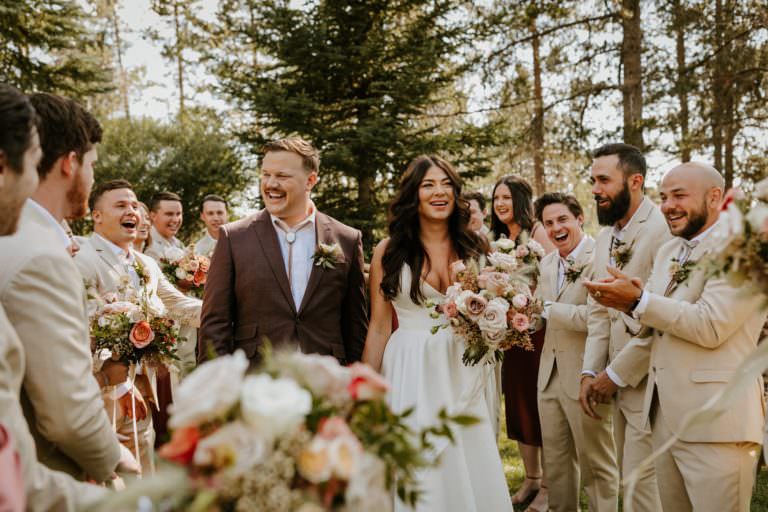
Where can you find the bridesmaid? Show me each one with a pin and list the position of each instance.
(511, 216)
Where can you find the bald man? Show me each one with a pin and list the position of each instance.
(698, 329)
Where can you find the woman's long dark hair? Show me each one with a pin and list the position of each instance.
(404, 229)
(522, 205)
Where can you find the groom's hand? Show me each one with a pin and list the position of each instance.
(603, 388)
(620, 293)
(586, 399)
(127, 405)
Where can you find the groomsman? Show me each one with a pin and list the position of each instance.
(44, 489)
(214, 215)
(43, 295)
(574, 444)
(288, 273)
(104, 261)
(635, 229)
(698, 330)
(167, 215)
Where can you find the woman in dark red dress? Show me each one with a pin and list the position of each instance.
(512, 215)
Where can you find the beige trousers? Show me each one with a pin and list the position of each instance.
(704, 477)
(576, 447)
(634, 445)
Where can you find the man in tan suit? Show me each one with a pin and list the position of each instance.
(698, 330)
(20, 153)
(575, 446)
(44, 299)
(270, 279)
(214, 214)
(634, 231)
(107, 259)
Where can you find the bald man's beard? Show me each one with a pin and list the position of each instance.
(696, 220)
(77, 199)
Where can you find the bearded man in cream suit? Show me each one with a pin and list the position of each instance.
(44, 489)
(105, 262)
(634, 231)
(575, 446)
(698, 330)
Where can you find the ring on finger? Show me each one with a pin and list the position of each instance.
(597, 294)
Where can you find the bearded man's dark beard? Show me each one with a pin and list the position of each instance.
(617, 207)
(77, 200)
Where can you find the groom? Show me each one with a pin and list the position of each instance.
(270, 277)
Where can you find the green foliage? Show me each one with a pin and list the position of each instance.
(191, 159)
(360, 80)
(47, 45)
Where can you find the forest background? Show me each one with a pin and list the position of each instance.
(497, 87)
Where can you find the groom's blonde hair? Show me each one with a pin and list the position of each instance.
(310, 156)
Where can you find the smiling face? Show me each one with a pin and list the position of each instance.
(436, 195)
(16, 185)
(142, 231)
(116, 216)
(562, 227)
(503, 205)
(214, 215)
(610, 189)
(285, 186)
(167, 218)
(687, 205)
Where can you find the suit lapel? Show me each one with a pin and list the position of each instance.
(581, 261)
(267, 240)
(324, 235)
(106, 254)
(553, 271)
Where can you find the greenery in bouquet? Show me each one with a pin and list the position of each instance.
(490, 307)
(185, 270)
(743, 236)
(305, 433)
(124, 324)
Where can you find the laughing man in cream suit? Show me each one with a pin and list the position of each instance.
(698, 330)
(105, 261)
(635, 229)
(575, 446)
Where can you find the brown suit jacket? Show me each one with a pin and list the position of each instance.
(248, 298)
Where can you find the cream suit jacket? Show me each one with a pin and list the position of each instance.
(607, 331)
(45, 489)
(697, 336)
(43, 295)
(160, 244)
(102, 268)
(567, 322)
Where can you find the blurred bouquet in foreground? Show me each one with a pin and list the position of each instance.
(743, 236)
(490, 307)
(305, 434)
(185, 270)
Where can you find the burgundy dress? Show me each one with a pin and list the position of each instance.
(519, 376)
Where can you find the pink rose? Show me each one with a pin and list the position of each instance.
(496, 283)
(450, 310)
(457, 267)
(519, 301)
(520, 322)
(333, 427)
(476, 304)
(522, 251)
(482, 280)
(366, 384)
(141, 334)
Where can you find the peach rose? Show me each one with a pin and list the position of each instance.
(497, 283)
(333, 427)
(520, 322)
(199, 277)
(181, 448)
(314, 462)
(476, 304)
(141, 334)
(450, 310)
(366, 384)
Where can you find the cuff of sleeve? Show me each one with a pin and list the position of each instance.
(545, 313)
(588, 372)
(615, 378)
(641, 306)
(121, 389)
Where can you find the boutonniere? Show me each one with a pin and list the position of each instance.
(141, 271)
(573, 272)
(327, 255)
(678, 272)
(622, 253)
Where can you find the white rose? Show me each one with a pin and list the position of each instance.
(344, 453)
(731, 224)
(461, 301)
(181, 274)
(503, 244)
(519, 301)
(173, 254)
(234, 444)
(367, 489)
(314, 463)
(494, 318)
(536, 248)
(209, 391)
(323, 375)
(502, 261)
(452, 292)
(758, 216)
(761, 190)
(274, 406)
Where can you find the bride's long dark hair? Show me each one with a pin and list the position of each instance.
(404, 229)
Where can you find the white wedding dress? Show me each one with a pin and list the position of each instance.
(425, 372)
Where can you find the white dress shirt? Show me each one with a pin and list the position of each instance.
(56, 225)
(304, 243)
(205, 246)
(619, 233)
(126, 258)
(561, 267)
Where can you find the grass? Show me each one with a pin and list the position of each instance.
(515, 474)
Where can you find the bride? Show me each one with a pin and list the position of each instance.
(427, 232)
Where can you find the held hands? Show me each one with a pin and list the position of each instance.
(619, 292)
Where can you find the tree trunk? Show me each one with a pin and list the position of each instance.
(682, 85)
(730, 130)
(718, 87)
(632, 89)
(179, 57)
(121, 70)
(538, 116)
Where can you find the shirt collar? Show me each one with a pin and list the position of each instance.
(116, 249)
(310, 220)
(60, 231)
(155, 234)
(577, 250)
(693, 242)
(619, 233)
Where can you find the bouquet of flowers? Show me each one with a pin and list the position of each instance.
(185, 270)
(491, 307)
(529, 252)
(304, 434)
(126, 326)
(743, 236)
